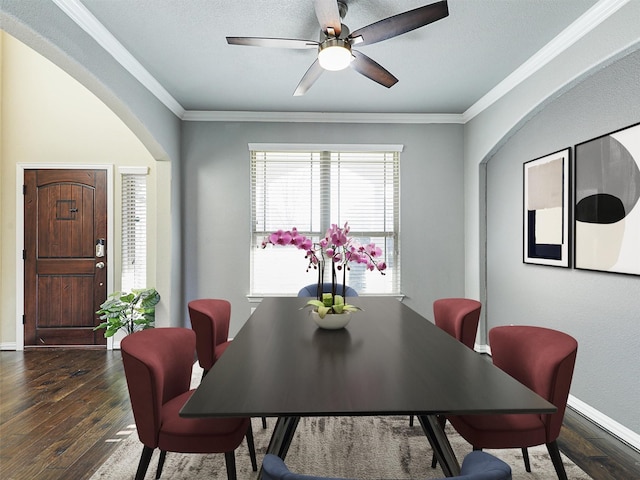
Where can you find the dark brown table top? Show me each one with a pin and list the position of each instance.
(389, 360)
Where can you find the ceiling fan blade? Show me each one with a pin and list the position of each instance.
(309, 78)
(328, 15)
(371, 69)
(398, 24)
(272, 42)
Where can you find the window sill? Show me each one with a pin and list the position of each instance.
(257, 298)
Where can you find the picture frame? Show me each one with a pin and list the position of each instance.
(607, 202)
(546, 209)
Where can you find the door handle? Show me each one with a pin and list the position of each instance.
(100, 265)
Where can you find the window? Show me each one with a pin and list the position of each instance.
(134, 228)
(312, 188)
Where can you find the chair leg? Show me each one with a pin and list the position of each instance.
(145, 459)
(163, 455)
(264, 422)
(554, 453)
(525, 457)
(230, 461)
(442, 420)
(411, 420)
(252, 448)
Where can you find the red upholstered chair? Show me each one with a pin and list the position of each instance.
(158, 364)
(543, 360)
(458, 317)
(210, 318)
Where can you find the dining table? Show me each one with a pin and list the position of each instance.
(388, 360)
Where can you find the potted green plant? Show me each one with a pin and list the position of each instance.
(128, 311)
(331, 304)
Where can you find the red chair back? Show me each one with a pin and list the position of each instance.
(542, 359)
(210, 320)
(458, 317)
(157, 363)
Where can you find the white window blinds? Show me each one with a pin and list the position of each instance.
(310, 190)
(134, 231)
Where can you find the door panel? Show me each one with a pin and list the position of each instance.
(65, 215)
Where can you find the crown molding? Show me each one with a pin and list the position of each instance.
(342, 147)
(570, 35)
(319, 117)
(574, 32)
(75, 10)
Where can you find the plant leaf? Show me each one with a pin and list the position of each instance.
(351, 308)
(314, 303)
(327, 298)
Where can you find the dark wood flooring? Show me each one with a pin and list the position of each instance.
(61, 409)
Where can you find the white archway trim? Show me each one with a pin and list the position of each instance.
(574, 32)
(90, 24)
(486, 133)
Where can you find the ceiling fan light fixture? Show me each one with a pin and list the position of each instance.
(334, 55)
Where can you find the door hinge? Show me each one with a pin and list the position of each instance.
(24, 189)
(24, 320)
(24, 254)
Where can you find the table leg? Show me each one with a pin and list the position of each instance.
(440, 445)
(281, 438)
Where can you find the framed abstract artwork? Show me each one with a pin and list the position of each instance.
(546, 209)
(607, 211)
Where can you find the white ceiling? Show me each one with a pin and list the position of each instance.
(177, 48)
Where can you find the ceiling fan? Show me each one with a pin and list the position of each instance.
(334, 46)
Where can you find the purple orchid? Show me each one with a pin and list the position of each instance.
(336, 246)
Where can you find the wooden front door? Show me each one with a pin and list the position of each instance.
(65, 276)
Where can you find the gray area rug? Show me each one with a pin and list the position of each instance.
(352, 447)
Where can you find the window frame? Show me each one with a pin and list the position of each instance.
(128, 228)
(322, 149)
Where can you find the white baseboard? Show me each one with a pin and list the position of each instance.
(8, 346)
(616, 429)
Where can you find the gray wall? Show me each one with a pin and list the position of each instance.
(216, 204)
(601, 310)
(489, 127)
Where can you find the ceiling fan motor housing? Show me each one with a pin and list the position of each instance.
(330, 33)
(334, 51)
(334, 54)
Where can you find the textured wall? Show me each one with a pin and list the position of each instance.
(599, 309)
(216, 204)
